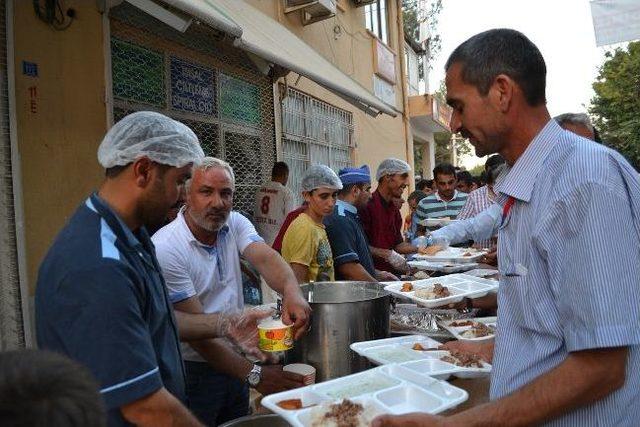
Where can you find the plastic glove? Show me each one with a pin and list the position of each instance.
(397, 261)
(441, 241)
(242, 330)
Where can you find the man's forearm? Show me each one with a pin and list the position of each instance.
(355, 271)
(219, 354)
(159, 409)
(275, 270)
(379, 252)
(198, 326)
(406, 248)
(583, 378)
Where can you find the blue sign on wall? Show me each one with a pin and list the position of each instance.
(192, 88)
(30, 69)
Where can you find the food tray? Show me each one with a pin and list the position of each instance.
(453, 255)
(390, 389)
(436, 222)
(482, 272)
(399, 351)
(456, 331)
(460, 286)
(442, 266)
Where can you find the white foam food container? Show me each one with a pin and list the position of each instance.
(442, 266)
(482, 272)
(458, 331)
(399, 352)
(436, 222)
(453, 255)
(460, 286)
(388, 390)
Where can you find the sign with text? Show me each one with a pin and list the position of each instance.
(192, 87)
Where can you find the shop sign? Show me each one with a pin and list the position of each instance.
(192, 87)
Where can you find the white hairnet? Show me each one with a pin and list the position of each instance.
(152, 135)
(392, 166)
(320, 176)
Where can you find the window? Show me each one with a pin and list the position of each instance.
(376, 19)
(314, 132)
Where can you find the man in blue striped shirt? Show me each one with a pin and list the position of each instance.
(567, 346)
(447, 201)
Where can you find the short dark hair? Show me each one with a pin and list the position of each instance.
(493, 166)
(502, 51)
(40, 388)
(346, 189)
(466, 177)
(279, 169)
(416, 195)
(422, 184)
(443, 169)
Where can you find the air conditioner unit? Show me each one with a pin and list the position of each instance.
(293, 5)
(359, 3)
(322, 9)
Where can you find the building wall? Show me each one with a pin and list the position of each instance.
(61, 119)
(351, 51)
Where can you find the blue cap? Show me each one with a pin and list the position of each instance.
(355, 175)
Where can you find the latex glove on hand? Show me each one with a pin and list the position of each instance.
(242, 330)
(397, 261)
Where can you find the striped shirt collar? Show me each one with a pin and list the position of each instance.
(519, 180)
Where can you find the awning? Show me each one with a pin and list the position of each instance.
(615, 21)
(273, 42)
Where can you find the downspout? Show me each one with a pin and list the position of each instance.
(405, 93)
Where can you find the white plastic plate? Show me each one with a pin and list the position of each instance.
(386, 389)
(453, 255)
(436, 222)
(459, 285)
(457, 331)
(442, 266)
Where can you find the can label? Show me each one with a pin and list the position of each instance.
(280, 339)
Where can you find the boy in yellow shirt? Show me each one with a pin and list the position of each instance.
(305, 245)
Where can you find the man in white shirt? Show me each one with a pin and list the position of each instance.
(199, 253)
(273, 202)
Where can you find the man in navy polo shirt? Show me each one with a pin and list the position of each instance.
(351, 255)
(100, 296)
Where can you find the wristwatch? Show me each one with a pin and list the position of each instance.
(255, 375)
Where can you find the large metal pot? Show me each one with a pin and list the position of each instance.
(343, 313)
(258, 421)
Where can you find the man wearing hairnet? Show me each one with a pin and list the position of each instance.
(100, 296)
(381, 219)
(305, 245)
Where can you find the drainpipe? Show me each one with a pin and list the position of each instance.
(405, 93)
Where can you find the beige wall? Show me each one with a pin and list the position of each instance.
(58, 142)
(352, 52)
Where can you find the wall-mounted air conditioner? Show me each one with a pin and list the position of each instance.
(359, 3)
(293, 5)
(320, 10)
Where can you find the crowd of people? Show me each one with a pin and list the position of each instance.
(157, 326)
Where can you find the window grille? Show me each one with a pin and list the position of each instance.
(200, 79)
(314, 132)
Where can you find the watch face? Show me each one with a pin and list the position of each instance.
(254, 379)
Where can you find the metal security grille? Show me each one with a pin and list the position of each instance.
(12, 327)
(314, 132)
(199, 78)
